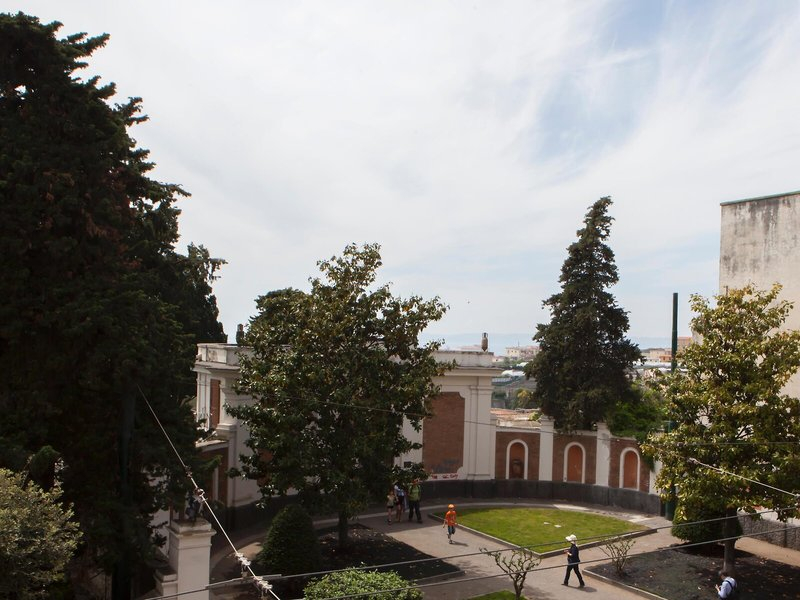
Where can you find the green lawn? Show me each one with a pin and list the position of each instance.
(542, 529)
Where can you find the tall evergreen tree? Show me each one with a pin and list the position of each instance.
(584, 358)
(96, 306)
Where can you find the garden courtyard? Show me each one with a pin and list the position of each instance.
(463, 571)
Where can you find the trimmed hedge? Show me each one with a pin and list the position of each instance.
(291, 546)
(351, 581)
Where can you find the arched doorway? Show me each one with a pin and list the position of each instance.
(574, 463)
(630, 469)
(517, 460)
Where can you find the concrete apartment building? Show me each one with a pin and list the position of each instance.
(760, 245)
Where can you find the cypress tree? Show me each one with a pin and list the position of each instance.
(584, 358)
(96, 306)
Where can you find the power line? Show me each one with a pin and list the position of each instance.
(209, 587)
(724, 472)
(504, 574)
(491, 424)
(525, 547)
(260, 582)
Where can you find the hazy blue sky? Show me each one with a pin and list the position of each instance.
(467, 138)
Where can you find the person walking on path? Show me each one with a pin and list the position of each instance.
(391, 500)
(400, 505)
(727, 588)
(573, 559)
(450, 522)
(414, 496)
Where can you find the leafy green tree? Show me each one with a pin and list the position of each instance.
(96, 306)
(334, 372)
(732, 420)
(581, 369)
(524, 399)
(37, 537)
(345, 583)
(643, 413)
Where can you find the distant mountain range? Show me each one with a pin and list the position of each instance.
(498, 342)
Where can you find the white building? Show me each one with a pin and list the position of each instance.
(760, 245)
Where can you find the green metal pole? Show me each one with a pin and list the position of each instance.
(669, 506)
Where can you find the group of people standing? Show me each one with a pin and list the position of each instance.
(399, 499)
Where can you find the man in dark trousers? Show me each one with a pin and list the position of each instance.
(573, 558)
(414, 495)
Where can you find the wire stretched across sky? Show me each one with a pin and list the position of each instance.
(547, 568)
(260, 582)
(264, 587)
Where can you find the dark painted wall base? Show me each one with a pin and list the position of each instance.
(543, 490)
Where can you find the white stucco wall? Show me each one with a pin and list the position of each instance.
(760, 244)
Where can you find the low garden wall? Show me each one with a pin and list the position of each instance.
(543, 490)
(772, 531)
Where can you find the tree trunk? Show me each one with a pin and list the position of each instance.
(729, 531)
(344, 540)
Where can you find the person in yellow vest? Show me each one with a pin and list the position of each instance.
(450, 522)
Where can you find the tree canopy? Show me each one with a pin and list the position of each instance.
(96, 305)
(729, 413)
(334, 372)
(37, 537)
(584, 359)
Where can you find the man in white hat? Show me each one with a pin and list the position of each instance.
(573, 558)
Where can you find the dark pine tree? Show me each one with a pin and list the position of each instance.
(96, 306)
(582, 366)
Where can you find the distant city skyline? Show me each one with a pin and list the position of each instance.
(467, 139)
(498, 342)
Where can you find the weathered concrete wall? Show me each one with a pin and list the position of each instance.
(772, 531)
(760, 244)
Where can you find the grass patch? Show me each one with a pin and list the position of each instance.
(542, 529)
(504, 595)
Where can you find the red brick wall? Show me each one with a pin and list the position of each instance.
(503, 439)
(443, 434)
(589, 444)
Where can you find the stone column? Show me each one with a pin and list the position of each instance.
(479, 438)
(603, 464)
(546, 439)
(189, 560)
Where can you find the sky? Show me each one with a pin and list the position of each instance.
(468, 139)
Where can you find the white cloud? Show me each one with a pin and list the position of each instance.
(467, 139)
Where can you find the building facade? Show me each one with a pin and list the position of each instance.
(464, 440)
(760, 245)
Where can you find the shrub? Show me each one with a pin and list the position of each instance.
(617, 549)
(291, 545)
(696, 525)
(352, 581)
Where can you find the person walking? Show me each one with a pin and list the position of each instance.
(726, 589)
(400, 505)
(391, 500)
(414, 495)
(450, 522)
(573, 559)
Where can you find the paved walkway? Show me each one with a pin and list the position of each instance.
(545, 583)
